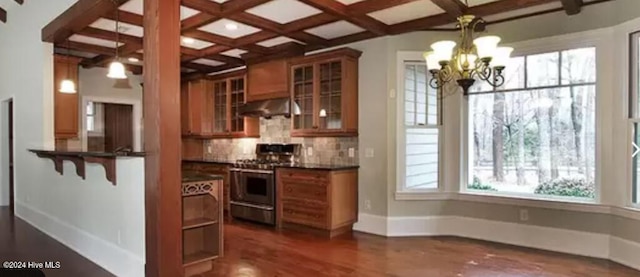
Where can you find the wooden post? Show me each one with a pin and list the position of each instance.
(163, 199)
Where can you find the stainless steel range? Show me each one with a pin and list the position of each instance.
(253, 188)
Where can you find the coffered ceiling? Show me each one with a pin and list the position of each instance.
(5, 5)
(218, 35)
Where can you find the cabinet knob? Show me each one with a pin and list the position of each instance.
(315, 127)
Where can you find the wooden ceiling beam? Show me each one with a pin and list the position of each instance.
(20, 2)
(77, 17)
(110, 35)
(572, 6)
(271, 26)
(206, 6)
(369, 6)
(126, 17)
(505, 6)
(210, 15)
(3, 15)
(310, 22)
(455, 8)
(341, 10)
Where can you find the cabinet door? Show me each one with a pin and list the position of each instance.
(237, 94)
(330, 115)
(220, 107)
(302, 112)
(66, 111)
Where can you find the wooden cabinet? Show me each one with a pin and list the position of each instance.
(215, 169)
(320, 201)
(324, 92)
(210, 108)
(196, 103)
(66, 106)
(202, 234)
(267, 80)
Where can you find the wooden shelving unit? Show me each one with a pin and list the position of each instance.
(202, 207)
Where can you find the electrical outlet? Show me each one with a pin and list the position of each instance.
(524, 215)
(209, 149)
(367, 204)
(392, 93)
(309, 151)
(352, 152)
(369, 153)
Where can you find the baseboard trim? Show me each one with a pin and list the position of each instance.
(107, 255)
(546, 238)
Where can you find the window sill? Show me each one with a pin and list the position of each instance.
(424, 195)
(632, 212)
(516, 200)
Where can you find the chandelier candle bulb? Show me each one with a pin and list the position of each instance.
(486, 46)
(432, 61)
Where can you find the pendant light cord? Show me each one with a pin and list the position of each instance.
(68, 59)
(117, 27)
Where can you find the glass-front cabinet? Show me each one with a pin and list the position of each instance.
(324, 94)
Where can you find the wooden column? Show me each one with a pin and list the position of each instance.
(162, 138)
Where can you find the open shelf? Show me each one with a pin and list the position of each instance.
(198, 257)
(198, 222)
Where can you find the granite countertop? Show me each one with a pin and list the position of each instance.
(320, 166)
(189, 176)
(87, 153)
(317, 166)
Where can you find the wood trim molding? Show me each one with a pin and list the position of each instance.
(79, 159)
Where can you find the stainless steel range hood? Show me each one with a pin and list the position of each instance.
(268, 108)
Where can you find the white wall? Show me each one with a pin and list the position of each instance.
(99, 220)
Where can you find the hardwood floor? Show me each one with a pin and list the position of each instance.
(252, 250)
(19, 241)
(257, 251)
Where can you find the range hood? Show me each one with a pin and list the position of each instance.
(268, 108)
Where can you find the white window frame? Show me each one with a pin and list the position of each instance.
(402, 193)
(595, 38)
(633, 192)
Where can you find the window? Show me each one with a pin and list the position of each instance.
(535, 135)
(634, 114)
(91, 116)
(419, 133)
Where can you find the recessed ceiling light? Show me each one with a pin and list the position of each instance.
(134, 60)
(231, 26)
(188, 40)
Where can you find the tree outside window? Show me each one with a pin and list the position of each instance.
(535, 135)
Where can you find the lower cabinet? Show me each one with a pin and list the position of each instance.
(318, 201)
(215, 169)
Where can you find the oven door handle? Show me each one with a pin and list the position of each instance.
(252, 171)
(262, 207)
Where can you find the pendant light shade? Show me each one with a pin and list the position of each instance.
(68, 86)
(116, 71)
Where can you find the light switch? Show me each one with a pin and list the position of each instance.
(392, 93)
(368, 153)
(352, 152)
(310, 151)
(209, 150)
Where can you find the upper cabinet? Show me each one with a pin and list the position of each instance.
(324, 92)
(66, 111)
(267, 80)
(210, 108)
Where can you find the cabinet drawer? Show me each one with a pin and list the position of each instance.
(310, 213)
(315, 176)
(294, 188)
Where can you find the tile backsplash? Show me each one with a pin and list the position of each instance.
(326, 150)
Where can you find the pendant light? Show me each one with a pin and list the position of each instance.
(116, 68)
(67, 85)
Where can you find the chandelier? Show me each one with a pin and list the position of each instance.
(473, 59)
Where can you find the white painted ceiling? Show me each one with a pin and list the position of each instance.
(283, 11)
(277, 41)
(334, 30)
(406, 12)
(218, 27)
(94, 41)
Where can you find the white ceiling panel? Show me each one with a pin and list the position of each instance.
(335, 29)
(208, 62)
(64, 51)
(110, 25)
(349, 2)
(94, 41)
(283, 11)
(220, 1)
(277, 41)
(234, 52)
(137, 7)
(197, 44)
(219, 28)
(406, 12)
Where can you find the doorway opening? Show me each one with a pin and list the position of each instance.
(109, 127)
